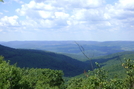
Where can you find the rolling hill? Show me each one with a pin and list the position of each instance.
(113, 63)
(30, 55)
(43, 59)
(70, 47)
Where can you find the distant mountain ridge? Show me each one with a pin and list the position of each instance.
(42, 59)
(90, 47)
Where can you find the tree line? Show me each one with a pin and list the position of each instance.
(12, 77)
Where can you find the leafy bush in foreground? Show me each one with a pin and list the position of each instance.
(12, 77)
(100, 80)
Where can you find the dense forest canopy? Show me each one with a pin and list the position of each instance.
(42, 59)
(12, 77)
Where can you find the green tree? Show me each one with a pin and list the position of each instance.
(9, 75)
(12, 77)
(129, 66)
(1, 1)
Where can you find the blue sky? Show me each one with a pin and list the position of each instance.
(91, 20)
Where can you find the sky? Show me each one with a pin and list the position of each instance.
(59, 20)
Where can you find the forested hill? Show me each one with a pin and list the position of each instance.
(70, 47)
(113, 59)
(43, 59)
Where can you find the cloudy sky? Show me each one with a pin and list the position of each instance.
(93, 20)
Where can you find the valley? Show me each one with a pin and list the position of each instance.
(62, 65)
(66, 55)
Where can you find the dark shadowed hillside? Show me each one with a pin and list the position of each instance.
(42, 59)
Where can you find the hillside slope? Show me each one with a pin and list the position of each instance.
(113, 63)
(70, 47)
(43, 59)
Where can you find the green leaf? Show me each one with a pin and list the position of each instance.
(1, 1)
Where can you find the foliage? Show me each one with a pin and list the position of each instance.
(12, 77)
(129, 66)
(99, 79)
(1, 1)
(74, 83)
(9, 75)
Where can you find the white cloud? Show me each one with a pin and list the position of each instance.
(88, 14)
(86, 3)
(123, 9)
(45, 14)
(126, 4)
(38, 1)
(76, 3)
(61, 15)
(73, 17)
(19, 1)
(77, 12)
(117, 17)
(9, 21)
(46, 23)
(29, 23)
